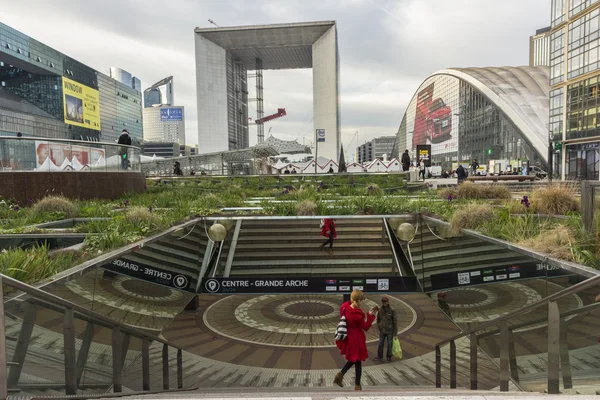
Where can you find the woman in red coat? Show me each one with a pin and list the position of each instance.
(354, 347)
(328, 230)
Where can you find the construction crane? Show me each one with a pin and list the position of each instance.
(214, 23)
(280, 113)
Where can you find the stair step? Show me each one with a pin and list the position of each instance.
(190, 256)
(12, 364)
(321, 261)
(160, 257)
(367, 246)
(332, 271)
(461, 252)
(152, 262)
(481, 261)
(304, 255)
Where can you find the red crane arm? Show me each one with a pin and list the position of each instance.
(280, 113)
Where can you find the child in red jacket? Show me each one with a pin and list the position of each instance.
(328, 230)
(354, 347)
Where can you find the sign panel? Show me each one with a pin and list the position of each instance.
(307, 285)
(171, 114)
(81, 105)
(424, 153)
(151, 274)
(320, 135)
(497, 274)
(54, 156)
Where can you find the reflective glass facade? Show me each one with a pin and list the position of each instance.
(574, 100)
(32, 98)
(461, 124)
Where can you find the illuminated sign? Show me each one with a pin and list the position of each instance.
(171, 114)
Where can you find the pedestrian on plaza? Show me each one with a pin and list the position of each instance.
(388, 328)
(354, 347)
(328, 230)
(443, 304)
(19, 134)
(461, 174)
(405, 161)
(422, 169)
(125, 140)
(474, 166)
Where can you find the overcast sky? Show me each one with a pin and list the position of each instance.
(387, 47)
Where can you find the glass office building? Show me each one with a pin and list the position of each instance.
(497, 116)
(45, 93)
(574, 79)
(160, 94)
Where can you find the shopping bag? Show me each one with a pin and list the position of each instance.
(340, 332)
(396, 348)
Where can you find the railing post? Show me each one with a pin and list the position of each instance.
(88, 335)
(504, 344)
(232, 247)
(473, 357)
(553, 348)
(512, 357)
(165, 365)
(20, 353)
(179, 369)
(145, 364)
(452, 364)
(564, 356)
(116, 360)
(70, 352)
(438, 367)
(3, 377)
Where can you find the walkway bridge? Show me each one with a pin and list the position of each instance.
(179, 311)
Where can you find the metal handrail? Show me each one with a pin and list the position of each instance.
(591, 282)
(387, 229)
(90, 315)
(82, 142)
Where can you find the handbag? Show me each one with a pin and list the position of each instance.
(341, 333)
(396, 348)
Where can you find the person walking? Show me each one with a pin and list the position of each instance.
(354, 347)
(125, 140)
(461, 174)
(422, 169)
(474, 167)
(388, 328)
(405, 161)
(328, 230)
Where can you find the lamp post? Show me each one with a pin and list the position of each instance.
(550, 153)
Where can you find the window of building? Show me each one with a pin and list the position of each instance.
(559, 12)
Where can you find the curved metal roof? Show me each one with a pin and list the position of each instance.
(522, 93)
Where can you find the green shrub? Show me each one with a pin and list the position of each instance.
(471, 216)
(555, 199)
(141, 218)
(306, 208)
(556, 242)
(55, 204)
(472, 191)
(373, 190)
(445, 193)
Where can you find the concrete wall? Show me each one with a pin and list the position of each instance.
(211, 86)
(326, 93)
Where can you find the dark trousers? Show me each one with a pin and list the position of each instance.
(405, 167)
(330, 240)
(357, 369)
(383, 338)
(422, 173)
(124, 161)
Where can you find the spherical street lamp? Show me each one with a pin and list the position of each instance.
(406, 232)
(217, 233)
(395, 223)
(227, 223)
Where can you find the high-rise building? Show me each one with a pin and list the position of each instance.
(164, 124)
(125, 78)
(539, 48)
(225, 55)
(46, 93)
(376, 149)
(160, 94)
(163, 120)
(574, 88)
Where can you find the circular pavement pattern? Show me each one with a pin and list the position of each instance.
(289, 320)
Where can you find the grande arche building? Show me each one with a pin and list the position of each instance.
(498, 116)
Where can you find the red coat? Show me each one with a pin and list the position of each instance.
(328, 225)
(355, 345)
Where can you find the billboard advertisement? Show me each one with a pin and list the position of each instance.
(65, 157)
(171, 114)
(81, 105)
(432, 117)
(320, 135)
(424, 153)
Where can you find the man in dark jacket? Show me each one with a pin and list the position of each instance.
(405, 161)
(124, 139)
(461, 174)
(388, 328)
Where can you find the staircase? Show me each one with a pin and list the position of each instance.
(432, 255)
(291, 247)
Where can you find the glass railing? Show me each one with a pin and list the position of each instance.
(77, 337)
(62, 155)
